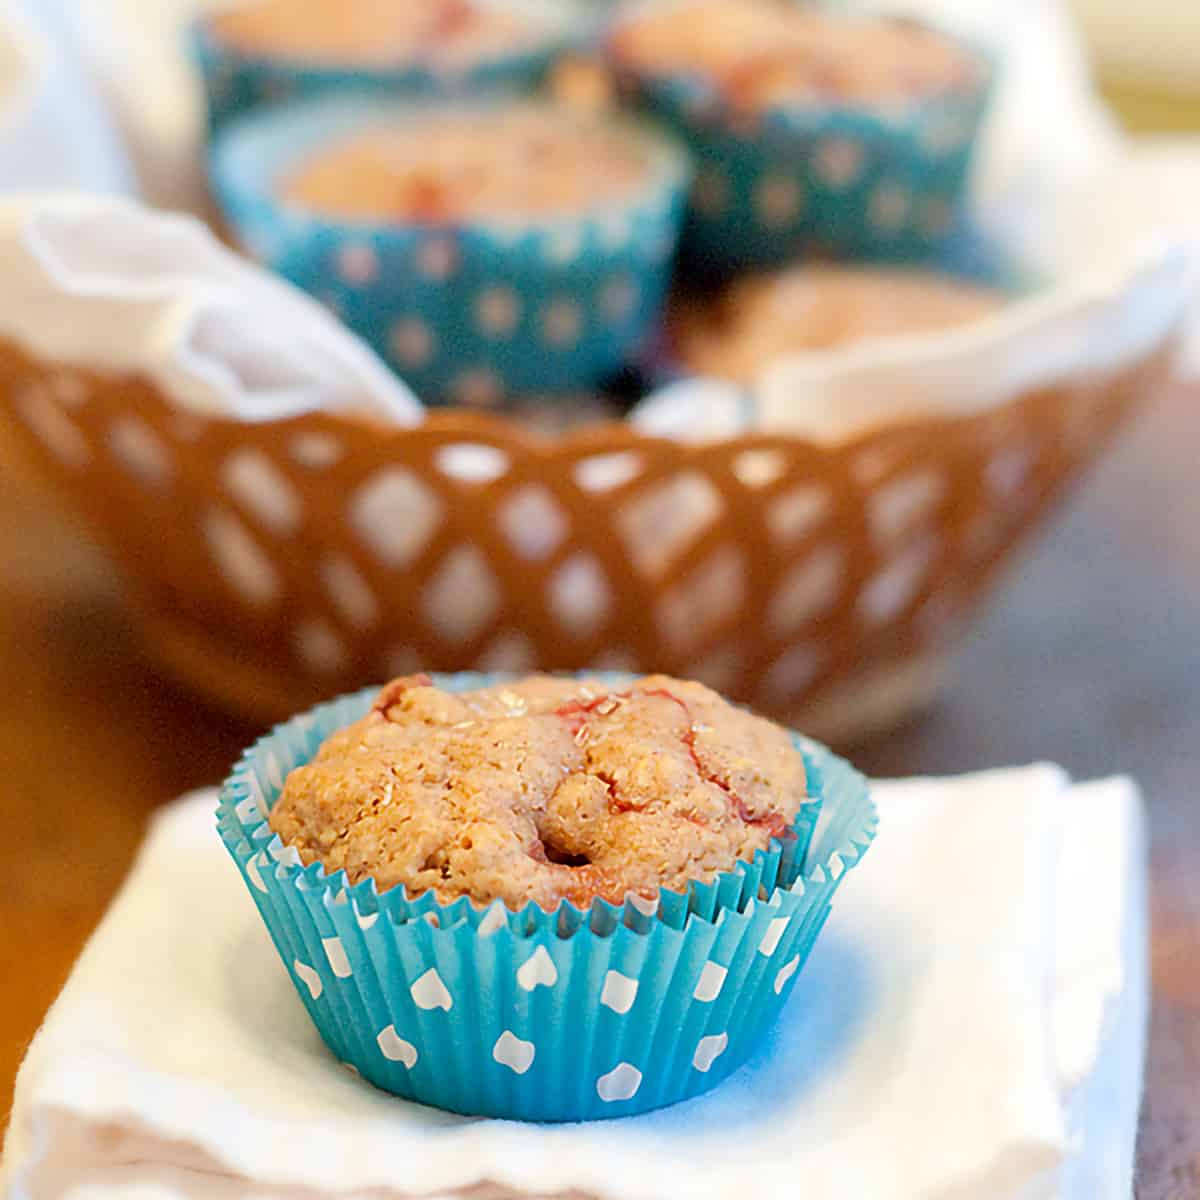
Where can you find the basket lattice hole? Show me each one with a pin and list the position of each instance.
(1009, 468)
(617, 658)
(349, 592)
(240, 560)
(140, 451)
(759, 468)
(462, 595)
(794, 514)
(319, 647)
(792, 672)
(605, 472)
(579, 596)
(251, 479)
(806, 589)
(315, 451)
(720, 668)
(52, 427)
(511, 652)
(533, 522)
(894, 586)
(402, 660)
(703, 600)
(472, 462)
(658, 524)
(895, 508)
(395, 515)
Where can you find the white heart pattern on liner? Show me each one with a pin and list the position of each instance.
(708, 1050)
(430, 992)
(619, 992)
(621, 1083)
(510, 1051)
(394, 1047)
(773, 936)
(710, 983)
(255, 873)
(785, 973)
(493, 919)
(336, 953)
(538, 969)
(310, 978)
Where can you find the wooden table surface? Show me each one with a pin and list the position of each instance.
(1090, 655)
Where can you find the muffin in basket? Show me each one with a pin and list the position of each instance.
(262, 52)
(810, 130)
(549, 899)
(757, 318)
(485, 251)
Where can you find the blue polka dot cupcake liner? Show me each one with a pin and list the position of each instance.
(569, 1015)
(812, 181)
(471, 313)
(236, 81)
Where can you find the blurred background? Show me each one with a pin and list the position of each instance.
(1086, 653)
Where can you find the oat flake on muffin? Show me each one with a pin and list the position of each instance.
(544, 790)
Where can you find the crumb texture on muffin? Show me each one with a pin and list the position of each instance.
(517, 160)
(543, 790)
(760, 53)
(373, 32)
(757, 318)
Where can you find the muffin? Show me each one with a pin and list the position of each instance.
(544, 790)
(550, 899)
(484, 251)
(809, 129)
(759, 318)
(266, 51)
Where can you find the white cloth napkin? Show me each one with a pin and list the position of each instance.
(55, 130)
(100, 281)
(982, 970)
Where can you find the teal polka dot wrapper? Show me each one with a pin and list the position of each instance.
(818, 181)
(237, 81)
(473, 312)
(565, 1016)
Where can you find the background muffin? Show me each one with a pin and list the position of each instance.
(263, 52)
(483, 251)
(735, 333)
(810, 130)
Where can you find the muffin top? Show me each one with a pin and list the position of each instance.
(374, 33)
(452, 165)
(757, 318)
(761, 54)
(543, 790)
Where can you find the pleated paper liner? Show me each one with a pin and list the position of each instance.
(270, 565)
(237, 81)
(470, 311)
(531, 1015)
(819, 178)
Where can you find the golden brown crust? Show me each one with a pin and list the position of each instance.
(518, 160)
(761, 53)
(758, 318)
(543, 790)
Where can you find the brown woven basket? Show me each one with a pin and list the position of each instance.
(275, 564)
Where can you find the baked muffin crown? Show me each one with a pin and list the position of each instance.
(544, 790)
